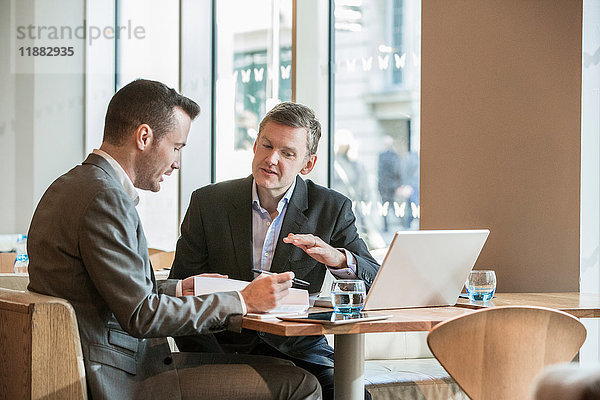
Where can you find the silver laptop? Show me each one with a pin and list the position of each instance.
(425, 268)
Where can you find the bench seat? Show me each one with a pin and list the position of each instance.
(399, 365)
(415, 379)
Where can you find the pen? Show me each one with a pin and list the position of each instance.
(296, 281)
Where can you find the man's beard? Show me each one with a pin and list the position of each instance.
(144, 170)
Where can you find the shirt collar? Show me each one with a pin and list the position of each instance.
(284, 200)
(121, 174)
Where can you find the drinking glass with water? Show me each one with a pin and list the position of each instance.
(481, 285)
(348, 296)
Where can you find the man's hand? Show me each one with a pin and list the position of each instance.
(315, 247)
(264, 292)
(187, 285)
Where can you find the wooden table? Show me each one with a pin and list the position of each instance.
(580, 305)
(349, 339)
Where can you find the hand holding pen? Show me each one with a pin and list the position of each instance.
(296, 281)
(265, 293)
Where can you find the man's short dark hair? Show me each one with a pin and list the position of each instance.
(298, 116)
(144, 102)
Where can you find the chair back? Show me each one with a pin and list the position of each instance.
(7, 261)
(495, 353)
(161, 259)
(40, 348)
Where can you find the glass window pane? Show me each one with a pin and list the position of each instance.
(251, 75)
(156, 57)
(590, 172)
(376, 137)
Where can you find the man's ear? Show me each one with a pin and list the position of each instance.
(254, 146)
(310, 164)
(143, 137)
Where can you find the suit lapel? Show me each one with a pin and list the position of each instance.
(240, 223)
(293, 222)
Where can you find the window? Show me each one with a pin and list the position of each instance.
(253, 74)
(376, 85)
(590, 172)
(156, 57)
(376, 117)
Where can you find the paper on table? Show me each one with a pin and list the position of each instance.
(296, 302)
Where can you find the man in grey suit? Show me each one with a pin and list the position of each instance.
(86, 244)
(275, 221)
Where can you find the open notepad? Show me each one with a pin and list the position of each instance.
(295, 303)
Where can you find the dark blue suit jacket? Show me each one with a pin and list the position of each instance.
(216, 236)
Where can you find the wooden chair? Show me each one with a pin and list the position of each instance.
(14, 281)
(495, 353)
(7, 261)
(161, 259)
(39, 347)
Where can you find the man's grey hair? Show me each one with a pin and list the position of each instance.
(298, 116)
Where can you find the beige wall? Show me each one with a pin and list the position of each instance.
(500, 147)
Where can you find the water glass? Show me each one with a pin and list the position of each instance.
(348, 296)
(481, 285)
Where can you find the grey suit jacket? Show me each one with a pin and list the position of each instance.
(216, 236)
(86, 245)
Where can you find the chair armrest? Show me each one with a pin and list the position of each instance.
(14, 281)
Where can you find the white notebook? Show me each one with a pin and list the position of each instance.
(295, 303)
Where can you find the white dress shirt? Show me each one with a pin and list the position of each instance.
(265, 232)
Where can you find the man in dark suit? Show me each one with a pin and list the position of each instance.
(275, 221)
(86, 244)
